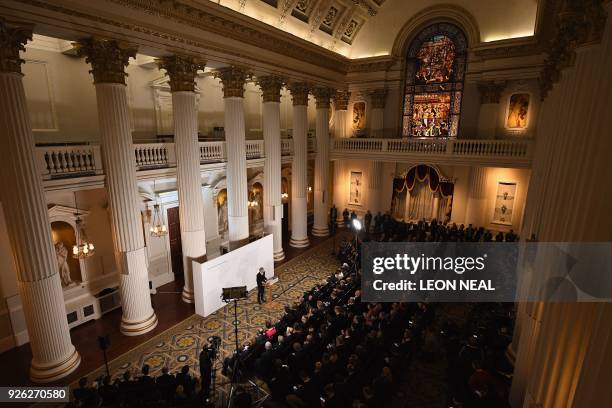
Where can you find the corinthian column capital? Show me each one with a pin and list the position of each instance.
(12, 40)
(299, 93)
(233, 80)
(323, 96)
(341, 100)
(108, 59)
(270, 86)
(490, 91)
(182, 70)
(378, 98)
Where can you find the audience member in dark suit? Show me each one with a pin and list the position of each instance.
(85, 395)
(205, 370)
(166, 383)
(261, 285)
(185, 380)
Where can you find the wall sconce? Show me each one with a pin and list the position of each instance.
(284, 197)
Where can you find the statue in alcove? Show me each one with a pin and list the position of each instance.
(61, 252)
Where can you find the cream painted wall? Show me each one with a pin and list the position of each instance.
(496, 175)
(62, 101)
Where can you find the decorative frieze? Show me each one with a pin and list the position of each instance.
(233, 80)
(108, 59)
(341, 100)
(270, 87)
(323, 97)
(578, 23)
(182, 71)
(378, 97)
(299, 93)
(490, 91)
(12, 40)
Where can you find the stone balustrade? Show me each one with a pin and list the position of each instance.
(62, 161)
(500, 153)
(59, 161)
(78, 160)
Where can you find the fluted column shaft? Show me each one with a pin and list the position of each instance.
(564, 354)
(341, 100)
(138, 315)
(233, 80)
(27, 221)
(108, 60)
(490, 93)
(189, 184)
(237, 188)
(476, 202)
(299, 168)
(321, 176)
(374, 186)
(273, 206)
(377, 112)
(182, 71)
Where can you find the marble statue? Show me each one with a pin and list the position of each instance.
(62, 262)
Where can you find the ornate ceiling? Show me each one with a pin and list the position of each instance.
(366, 28)
(332, 24)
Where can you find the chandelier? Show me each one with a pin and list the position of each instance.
(83, 248)
(158, 228)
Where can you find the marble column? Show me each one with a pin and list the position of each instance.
(490, 92)
(477, 194)
(233, 80)
(378, 98)
(108, 60)
(182, 71)
(27, 221)
(321, 182)
(564, 353)
(273, 205)
(341, 100)
(299, 167)
(374, 186)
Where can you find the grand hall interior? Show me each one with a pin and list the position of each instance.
(187, 189)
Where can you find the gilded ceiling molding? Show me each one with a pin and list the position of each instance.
(108, 59)
(211, 18)
(441, 13)
(233, 80)
(299, 93)
(378, 97)
(579, 22)
(13, 38)
(341, 100)
(182, 71)
(490, 91)
(271, 86)
(323, 96)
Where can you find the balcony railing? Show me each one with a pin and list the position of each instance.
(62, 161)
(69, 160)
(508, 152)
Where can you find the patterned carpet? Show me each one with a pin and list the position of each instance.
(182, 343)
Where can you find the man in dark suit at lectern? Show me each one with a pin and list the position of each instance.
(261, 285)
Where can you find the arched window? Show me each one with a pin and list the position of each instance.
(435, 67)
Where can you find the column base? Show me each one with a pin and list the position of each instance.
(53, 372)
(320, 231)
(138, 328)
(299, 242)
(187, 295)
(279, 256)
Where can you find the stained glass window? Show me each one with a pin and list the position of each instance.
(435, 67)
